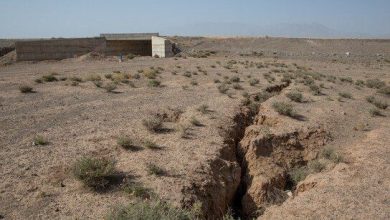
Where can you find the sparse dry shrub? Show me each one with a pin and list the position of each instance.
(346, 95)
(150, 73)
(154, 83)
(150, 210)
(253, 82)
(204, 109)
(94, 172)
(295, 96)
(153, 169)
(223, 88)
(153, 123)
(25, 89)
(375, 83)
(110, 87)
(237, 86)
(284, 108)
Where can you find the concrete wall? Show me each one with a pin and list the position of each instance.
(56, 49)
(124, 47)
(161, 47)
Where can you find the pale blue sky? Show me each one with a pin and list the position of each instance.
(71, 18)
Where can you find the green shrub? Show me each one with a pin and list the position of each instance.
(346, 95)
(375, 83)
(153, 124)
(295, 96)
(25, 89)
(154, 210)
(284, 108)
(40, 140)
(153, 169)
(154, 83)
(94, 172)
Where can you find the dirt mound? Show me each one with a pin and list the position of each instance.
(8, 59)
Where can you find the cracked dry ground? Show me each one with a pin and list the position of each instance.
(328, 158)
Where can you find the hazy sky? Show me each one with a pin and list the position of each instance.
(67, 18)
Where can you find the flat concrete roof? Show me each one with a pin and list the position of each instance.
(129, 36)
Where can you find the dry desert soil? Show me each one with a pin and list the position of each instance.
(267, 128)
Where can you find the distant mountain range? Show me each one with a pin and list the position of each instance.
(313, 30)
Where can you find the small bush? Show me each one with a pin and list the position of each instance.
(284, 108)
(345, 95)
(184, 130)
(138, 190)
(223, 88)
(194, 83)
(295, 96)
(331, 154)
(76, 79)
(378, 103)
(204, 109)
(153, 124)
(98, 84)
(136, 76)
(235, 79)
(93, 78)
(316, 166)
(38, 80)
(187, 74)
(253, 82)
(151, 145)
(346, 79)
(217, 81)
(385, 90)
(298, 174)
(110, 87)
(194, 121)
(126, 142)
(94, 172)
(150, 211)
(40, 140)
(315, 89)
(25, 89)
(49, 78)
(150, 73)
(153, 169)
(154, 83)
(359, 83)
(375, 112)
(375, 83)
(237, 86)
(108, 76)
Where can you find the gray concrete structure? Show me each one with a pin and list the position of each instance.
(143, 44)
(56, 49)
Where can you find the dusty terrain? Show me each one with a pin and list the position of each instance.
(237, 154)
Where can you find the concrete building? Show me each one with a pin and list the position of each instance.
(143, 44)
